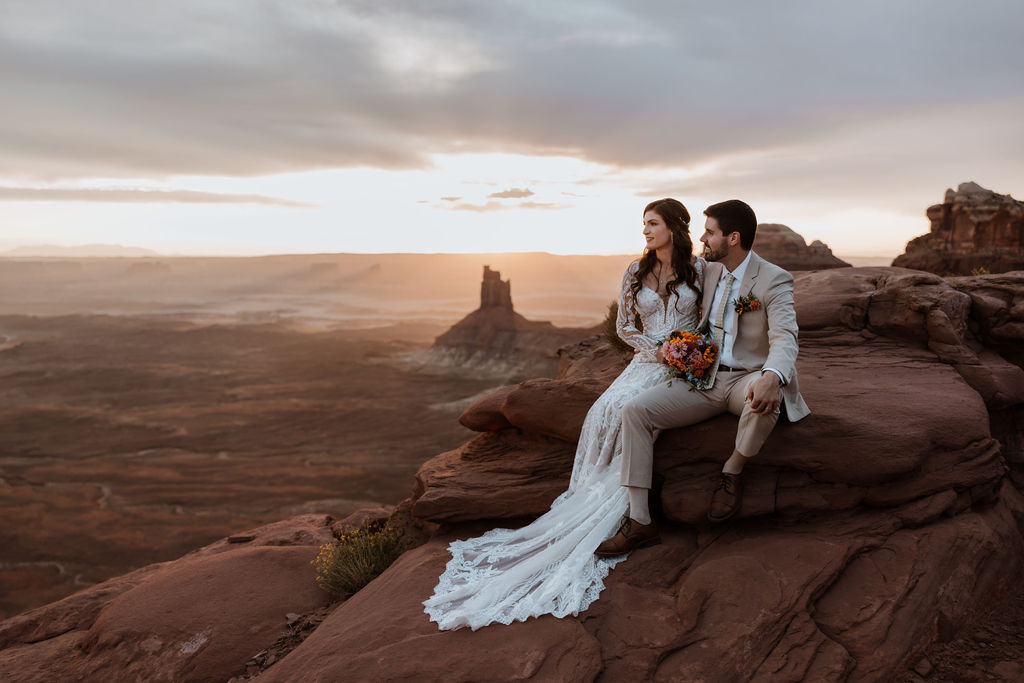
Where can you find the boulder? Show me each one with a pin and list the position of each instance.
(554, 408)
(494, 476)
(485, 414)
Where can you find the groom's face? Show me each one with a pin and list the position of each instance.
(716, 245)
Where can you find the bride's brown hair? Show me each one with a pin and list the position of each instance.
(677, 219)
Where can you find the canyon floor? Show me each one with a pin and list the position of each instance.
(127, 440)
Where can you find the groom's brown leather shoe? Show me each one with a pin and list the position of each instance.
(726, 500)
(632, 535)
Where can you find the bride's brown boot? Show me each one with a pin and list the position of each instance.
(631, 535)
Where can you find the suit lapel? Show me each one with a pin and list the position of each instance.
(746, 286)
(750, 277)
(712, 273)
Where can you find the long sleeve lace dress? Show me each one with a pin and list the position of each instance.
(549, 566)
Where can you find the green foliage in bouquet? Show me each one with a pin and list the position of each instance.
(358, 557)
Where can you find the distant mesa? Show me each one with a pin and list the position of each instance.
(321, 272)
(495, 340)
(787, 249)
(148, 269)
(317, 269)
(79, 251)
(972, 230)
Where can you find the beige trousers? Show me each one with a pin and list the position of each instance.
(667, 406)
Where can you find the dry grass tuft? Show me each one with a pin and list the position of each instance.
(358, 557)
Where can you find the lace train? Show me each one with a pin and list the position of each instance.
(549, 566)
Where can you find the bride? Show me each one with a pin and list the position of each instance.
(549, 566)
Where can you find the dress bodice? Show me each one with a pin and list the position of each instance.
(658, 316)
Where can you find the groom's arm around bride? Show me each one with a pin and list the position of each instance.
(748, 309)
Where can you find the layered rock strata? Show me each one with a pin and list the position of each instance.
(972, 230)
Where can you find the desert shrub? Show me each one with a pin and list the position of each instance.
(358, 557)
(980, 270)
(611, 334)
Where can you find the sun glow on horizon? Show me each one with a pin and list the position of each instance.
(462, 203)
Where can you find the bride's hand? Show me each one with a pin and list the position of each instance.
(659, 355)
(764, 395)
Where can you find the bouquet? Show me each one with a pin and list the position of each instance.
(690, 357)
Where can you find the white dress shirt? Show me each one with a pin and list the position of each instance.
(731, 318)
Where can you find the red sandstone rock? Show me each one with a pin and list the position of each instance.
(891, 420)
(382, 634)
(553, 408)
(841, 597)
(878, 523)
(591, 357)
(197, 618)
(494, 476)
(787, 249)
(972, 229)
(485, 415)
(299, 530)
(360, 519)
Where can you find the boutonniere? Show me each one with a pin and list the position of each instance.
(746, 303)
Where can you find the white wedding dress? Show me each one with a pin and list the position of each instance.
(549, 566)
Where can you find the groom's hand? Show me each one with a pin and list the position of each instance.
(764, 395)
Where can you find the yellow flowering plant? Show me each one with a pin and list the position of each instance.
(358, 557)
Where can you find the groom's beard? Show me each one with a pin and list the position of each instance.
(715, 255)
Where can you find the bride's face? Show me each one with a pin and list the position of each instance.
(656, 232)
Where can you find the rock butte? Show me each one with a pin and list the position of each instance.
(972, 230)
(496, 340)
(784, 247)
(873, 528)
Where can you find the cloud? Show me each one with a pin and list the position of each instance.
(450, 199)
(512, 194)
(122, 89)
(498, 206)
(31, 194)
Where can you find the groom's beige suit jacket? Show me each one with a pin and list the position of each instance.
(766, 338)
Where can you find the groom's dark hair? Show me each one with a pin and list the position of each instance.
(735, 216)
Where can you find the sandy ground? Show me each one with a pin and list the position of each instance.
(127, 440)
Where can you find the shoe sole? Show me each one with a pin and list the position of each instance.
(642, 544)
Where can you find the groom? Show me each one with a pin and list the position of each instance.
(748, 308)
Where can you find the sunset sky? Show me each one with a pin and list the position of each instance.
(265, 126)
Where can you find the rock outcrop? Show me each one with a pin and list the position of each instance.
(199, 618)
(787, 249)
(972, 230)
(871, 529)
(495, 340)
